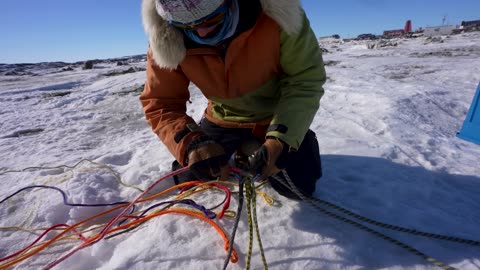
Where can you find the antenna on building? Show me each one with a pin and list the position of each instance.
(444, 19)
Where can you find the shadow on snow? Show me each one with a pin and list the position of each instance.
(411, 197)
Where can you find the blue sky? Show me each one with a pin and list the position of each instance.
(64, 30)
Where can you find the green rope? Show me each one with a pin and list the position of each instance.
(253, 198)
(410, 249)
(390, 226)
(101, 165)
(396, 228)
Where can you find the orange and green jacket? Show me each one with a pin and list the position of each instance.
(269, 75)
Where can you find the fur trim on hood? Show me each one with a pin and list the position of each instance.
(167, 43)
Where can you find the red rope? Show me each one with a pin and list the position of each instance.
(102, 234)
(40, 237)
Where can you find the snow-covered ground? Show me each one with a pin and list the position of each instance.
(386, 130)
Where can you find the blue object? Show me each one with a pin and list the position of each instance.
(226, 30)
(471, 126)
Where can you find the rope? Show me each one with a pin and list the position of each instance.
(32, 249)
(182, 196)
(115, 174)
(96, 239)
(38, 239)
(268, 199)
(61, 236)
(246, 183)
(65, 201)
(397, 228)
(210, 184)
(410, 249)
(252, 222)
(233, 256)
(232, 253)
(237, 220)
(208, 213)
(49, 242)
(390, 226)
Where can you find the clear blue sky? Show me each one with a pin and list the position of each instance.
(65, 30)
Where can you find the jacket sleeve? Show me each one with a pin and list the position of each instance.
(301, 87)
(164, 101)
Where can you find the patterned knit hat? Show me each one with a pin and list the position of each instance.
(186, 11)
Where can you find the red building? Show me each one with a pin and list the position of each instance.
(399, 32)
(393, 33)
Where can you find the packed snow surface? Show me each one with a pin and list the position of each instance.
(387, 133)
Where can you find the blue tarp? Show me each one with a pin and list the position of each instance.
(471, 126)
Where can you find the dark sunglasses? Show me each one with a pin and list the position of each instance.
(217, 17)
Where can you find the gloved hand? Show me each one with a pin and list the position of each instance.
(269, 159)
(206, 158)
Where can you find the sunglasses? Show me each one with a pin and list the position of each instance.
(217, 17)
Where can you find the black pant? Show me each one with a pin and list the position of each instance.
(304, 165)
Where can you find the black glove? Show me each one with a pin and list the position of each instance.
(206, 158)
(269, 159)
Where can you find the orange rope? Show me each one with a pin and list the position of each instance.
(228, 213)
(48, 243)
(233, 258)
(41, 247)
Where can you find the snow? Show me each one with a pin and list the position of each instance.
(386, 130)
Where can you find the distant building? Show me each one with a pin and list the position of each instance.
(393, 33)
(399, 32)
(470, 26)
(408, 27)
(366, 37)
(439, 30)
(332, 37)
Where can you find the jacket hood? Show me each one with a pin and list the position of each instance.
(167, 44)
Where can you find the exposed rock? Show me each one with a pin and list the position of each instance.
(429, 40)
(382, 44)
(88, 64)
(121, 72)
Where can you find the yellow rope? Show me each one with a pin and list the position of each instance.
(88, 228)
(253, 223)
(100, 165)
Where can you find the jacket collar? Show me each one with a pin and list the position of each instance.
(167, 43)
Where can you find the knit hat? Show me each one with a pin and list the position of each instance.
(186, 11)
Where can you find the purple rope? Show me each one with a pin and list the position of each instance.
(64, 197)
(208, 213)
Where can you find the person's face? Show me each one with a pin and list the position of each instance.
(205, 31)
(206, 25)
